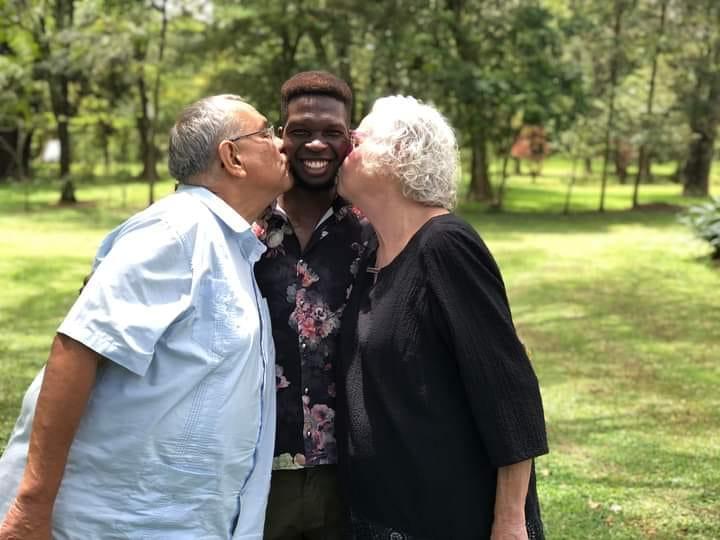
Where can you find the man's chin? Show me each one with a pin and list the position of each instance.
(314, 185)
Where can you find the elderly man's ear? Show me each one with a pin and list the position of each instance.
(230, 158)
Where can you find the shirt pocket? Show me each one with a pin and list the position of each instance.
(227, 320)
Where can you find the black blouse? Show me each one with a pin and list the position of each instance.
(436, 391)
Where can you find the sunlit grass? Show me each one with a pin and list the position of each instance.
(619, 311)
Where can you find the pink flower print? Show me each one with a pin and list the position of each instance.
(280, 380)
(312, 318)
(307, 328)
(319, 432)
(258, 230)
(306, 275)
(318, 438)
(322, 414)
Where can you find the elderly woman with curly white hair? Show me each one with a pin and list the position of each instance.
(439, 410)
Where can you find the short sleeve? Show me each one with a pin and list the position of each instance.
(473, 310)
(140, 285)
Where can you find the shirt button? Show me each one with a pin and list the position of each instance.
(307, 390)
(303, 346)
(307, 434)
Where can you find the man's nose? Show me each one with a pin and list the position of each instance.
(316, 144)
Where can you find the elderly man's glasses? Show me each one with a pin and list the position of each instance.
(265, 133)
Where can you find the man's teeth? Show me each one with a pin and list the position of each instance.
(316, 164)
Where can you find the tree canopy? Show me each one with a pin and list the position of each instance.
(618, 80)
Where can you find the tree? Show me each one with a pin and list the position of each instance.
(619, 12)
(506, 63)
(51, 28)
(644, 153)
(699, 94)
(19, 103)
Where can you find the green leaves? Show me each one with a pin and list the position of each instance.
(704, 220)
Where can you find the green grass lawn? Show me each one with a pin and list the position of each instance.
(620, 312)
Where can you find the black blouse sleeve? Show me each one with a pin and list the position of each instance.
(472, 306)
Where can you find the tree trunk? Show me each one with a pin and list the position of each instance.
(104, 133)
(147, 148)
(643, 169)
(643, 166)
(619, 8)
(621, 162)
(67, 195)
(27, 153)
(704, 120)
(571, 183)
(480, 188)
(588, 165)
(696, 173)
(63, 133)
(517, 166)
(10, 160)
(503, 183)
(59, 96)
(156, 103)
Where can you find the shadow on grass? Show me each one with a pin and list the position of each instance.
(87, 216)
(43, 308)
(507, 223)
(29, 320)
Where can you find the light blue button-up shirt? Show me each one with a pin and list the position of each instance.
(177, 439)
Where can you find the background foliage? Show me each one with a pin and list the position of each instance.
(624, 81)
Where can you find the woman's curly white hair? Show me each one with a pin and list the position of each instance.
(415, 143)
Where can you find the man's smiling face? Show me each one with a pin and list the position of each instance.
(316, 139)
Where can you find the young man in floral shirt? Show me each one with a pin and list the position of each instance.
(314, 241)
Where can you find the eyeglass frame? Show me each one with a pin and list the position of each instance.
(269, 130)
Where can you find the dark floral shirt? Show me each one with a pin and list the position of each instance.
(306, 294)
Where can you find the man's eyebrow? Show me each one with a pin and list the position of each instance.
(310, 120)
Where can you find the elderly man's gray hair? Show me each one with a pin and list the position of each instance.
(198, 131)
(416, 144)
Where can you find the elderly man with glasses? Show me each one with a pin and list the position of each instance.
(155, 414)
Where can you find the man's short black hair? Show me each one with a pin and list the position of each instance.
(309, 83)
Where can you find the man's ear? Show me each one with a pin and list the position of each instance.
(230, 158)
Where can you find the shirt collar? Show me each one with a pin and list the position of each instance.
(252, 248)
(217, 206)
(337, 204)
